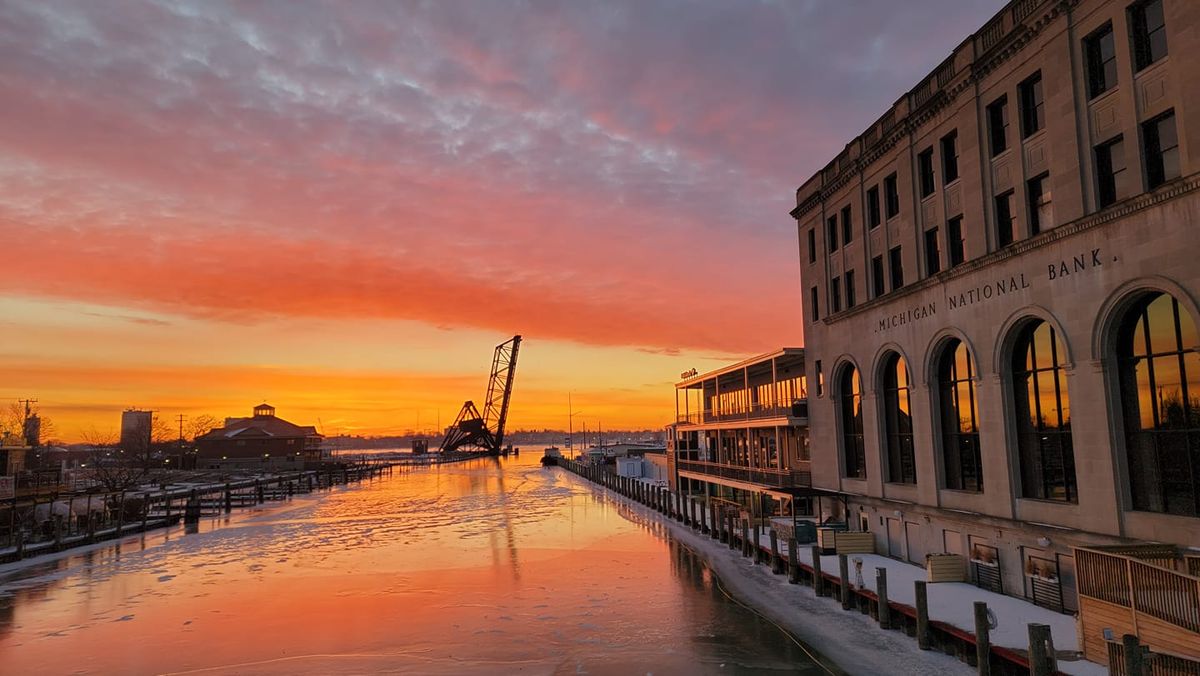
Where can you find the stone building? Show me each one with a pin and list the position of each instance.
(1000, 279)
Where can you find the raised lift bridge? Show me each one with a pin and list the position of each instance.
(484, 433)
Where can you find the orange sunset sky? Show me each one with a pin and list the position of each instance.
(342, 207)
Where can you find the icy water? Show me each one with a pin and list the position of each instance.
(482, 567)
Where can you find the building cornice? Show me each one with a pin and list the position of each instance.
(990, 47)
(692, 381)
(1132, 205)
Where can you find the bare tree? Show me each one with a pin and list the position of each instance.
(109, 463)
(200, 425)
(13, 419)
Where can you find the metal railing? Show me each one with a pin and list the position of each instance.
(774, 478)
(797, 409)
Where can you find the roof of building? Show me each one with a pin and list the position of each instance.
(693, 380)
(259, 427)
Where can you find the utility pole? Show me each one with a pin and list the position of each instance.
(27, 402)
(181, 418)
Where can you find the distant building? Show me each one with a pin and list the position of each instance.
(135, 428)
(262, 441)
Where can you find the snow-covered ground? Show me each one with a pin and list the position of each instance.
(854, 641)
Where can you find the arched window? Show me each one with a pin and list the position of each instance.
(897, 414)
(960, 433)
(850, 402)
(1043, 413)
(1160, 396)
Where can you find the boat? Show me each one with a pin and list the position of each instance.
(550, 456)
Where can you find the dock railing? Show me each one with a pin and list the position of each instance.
(1120, 593)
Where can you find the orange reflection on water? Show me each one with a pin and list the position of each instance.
(456, 569)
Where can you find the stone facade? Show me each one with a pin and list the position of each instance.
(1015, 111)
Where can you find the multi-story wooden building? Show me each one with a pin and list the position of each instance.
(1000, 280)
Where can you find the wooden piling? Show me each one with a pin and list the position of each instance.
(1040, 663)
(884, 613)
(715, 531)
(775, 560)
(1133, 656)
(729, 536)
(746, 538)
(818, 581)
(121, 514)
(844, 573)
(758, 550)
(191, 510)
(922, 614)
(793, 565)
(983, 640)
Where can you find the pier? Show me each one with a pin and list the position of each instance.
(808, 566)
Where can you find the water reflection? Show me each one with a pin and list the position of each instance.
(461, 569)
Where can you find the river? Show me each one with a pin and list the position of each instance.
(479, 567)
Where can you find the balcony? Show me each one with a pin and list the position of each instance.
(798, 409)
(771, 478)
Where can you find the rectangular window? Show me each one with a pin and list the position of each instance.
(950, 157)
(1110, 171)
(933, 255)
(835, 295)
(847, 226)
(1004, 219)
(812, 245)
(850, 300)
(1041, 217)
(1100, 55)
(997, 122)
(897, 265)
(873, 207)
(1033, 113)
(813, 310)
(1149, 33)
(925, 171)
(820, 378)
(1161, 149)
(958, 246)
(891, 196)
(832, 233)
(877, 280)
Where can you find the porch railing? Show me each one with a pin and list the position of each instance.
(773, 478)
(797, 409)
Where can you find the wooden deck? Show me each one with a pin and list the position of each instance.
(1150, 599)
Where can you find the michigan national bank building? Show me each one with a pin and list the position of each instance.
(1000, 281)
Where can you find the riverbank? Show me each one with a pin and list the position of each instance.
(66, 521)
